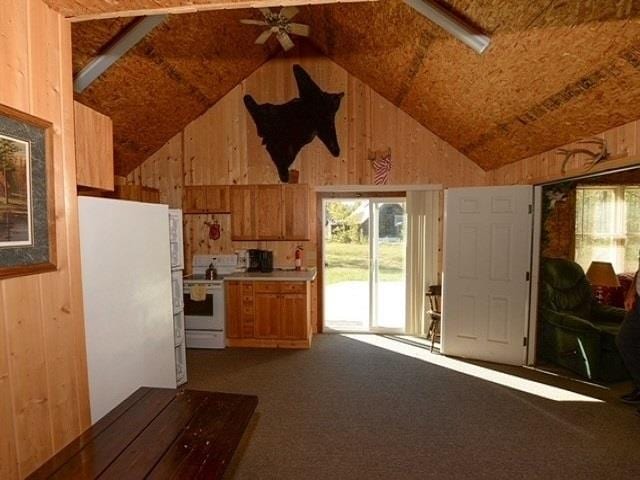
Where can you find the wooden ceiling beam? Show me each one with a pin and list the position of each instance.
(84, 10)
(129, 39)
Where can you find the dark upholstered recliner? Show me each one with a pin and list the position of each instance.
(577, 332)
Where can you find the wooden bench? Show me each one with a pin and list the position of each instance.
(157, 434)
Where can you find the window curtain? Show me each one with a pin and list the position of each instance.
(423, 233)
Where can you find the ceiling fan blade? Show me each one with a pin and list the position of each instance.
(285, 40)
(299, 29)
(254, 22)
(264, 36)
(289, 12)
(266, 12)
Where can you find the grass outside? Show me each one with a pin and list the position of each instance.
(349, 262)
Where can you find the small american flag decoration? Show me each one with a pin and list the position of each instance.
(381, 164)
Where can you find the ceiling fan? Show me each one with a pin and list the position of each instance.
(280, 25)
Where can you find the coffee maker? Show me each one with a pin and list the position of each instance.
(260, 260)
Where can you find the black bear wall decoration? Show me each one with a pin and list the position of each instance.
(288, 127)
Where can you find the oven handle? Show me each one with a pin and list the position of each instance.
(186, 287)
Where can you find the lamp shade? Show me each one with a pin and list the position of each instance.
(601, 274)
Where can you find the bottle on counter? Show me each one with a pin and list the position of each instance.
(211, 273)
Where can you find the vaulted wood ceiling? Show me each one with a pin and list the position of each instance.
(556, 71)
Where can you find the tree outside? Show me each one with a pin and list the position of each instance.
(347, 241)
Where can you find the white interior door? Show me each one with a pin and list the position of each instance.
(487, 257)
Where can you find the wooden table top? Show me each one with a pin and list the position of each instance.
(157, 434)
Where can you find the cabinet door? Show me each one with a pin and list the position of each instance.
(94, 148)
(242, 212)
(150, 195)
(217, 198)
(294, 321)
(234, 310)
(269, 222)
(129, 192)
(267, 315)
(248, 310)
(296, 212)
(195, 199)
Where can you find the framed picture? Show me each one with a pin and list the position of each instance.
(27, 209)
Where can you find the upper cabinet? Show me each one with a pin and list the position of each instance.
(137, 193)
(206, 199)
(296, 212)
(269, 212)
(243, 209)
(94, 148)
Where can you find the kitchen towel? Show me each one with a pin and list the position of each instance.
(198, 293)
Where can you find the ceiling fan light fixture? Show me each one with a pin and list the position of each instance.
(280, 25)
(464, 32)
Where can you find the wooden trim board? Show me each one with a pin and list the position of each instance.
(156, 8)
(386, 189)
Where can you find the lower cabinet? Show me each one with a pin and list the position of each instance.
(293, 308)
(268, 314)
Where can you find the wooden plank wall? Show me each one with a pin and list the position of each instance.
(622, 141)
(222, 147)
(44, 399)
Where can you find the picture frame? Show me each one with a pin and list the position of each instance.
(27, 195)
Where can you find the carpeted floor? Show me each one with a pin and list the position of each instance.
(346, 409)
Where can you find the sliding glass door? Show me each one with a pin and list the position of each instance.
(387, 278)
(364, 264)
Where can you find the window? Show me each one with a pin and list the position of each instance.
(608, 226)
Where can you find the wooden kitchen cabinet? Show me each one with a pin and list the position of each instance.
(137, 193)
(269, 222)
(296, 212)
(218, 199)
(195, 199)
(233, 307)
(268, 314)
(283, 212)
(243, 201)
(240, 310)
(293, 317)
(205, 199)
(94, 148)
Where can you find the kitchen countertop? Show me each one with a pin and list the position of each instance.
(275, 276)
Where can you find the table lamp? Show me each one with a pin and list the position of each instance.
(601, 275)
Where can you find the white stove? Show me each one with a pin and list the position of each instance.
(204, 299)
(224, 264)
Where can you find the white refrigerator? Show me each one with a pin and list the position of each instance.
(126, 281)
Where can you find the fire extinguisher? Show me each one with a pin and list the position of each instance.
(298, 258)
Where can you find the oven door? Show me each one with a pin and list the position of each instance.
(207, 314)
